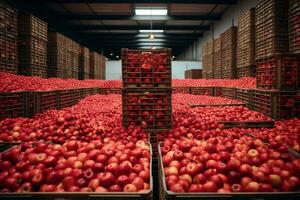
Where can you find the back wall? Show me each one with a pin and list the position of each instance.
(114, 72)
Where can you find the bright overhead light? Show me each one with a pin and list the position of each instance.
(139, 11)
(117, 56)
(111, 54)
(151, 36)
(151, 31)
(153, 47)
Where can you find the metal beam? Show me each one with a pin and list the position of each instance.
(135, 1)
(155, 27)
(137, 17)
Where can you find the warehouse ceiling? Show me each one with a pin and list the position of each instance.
(109, 25)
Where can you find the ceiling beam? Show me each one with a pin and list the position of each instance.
(141, 35)
(136, 1)
(115, 40)
(138, 17)
(122, 27)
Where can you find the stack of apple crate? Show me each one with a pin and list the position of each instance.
(69, 67)
(294, 27)
(217, 61)
(204, 60)
(75, 59)
(193, 74)
(228, 57)
(207, 59)
(277, 71)
(84, 63)
(147, 92)
(32, 45)
(56, 55)
(97, 65)
(102, 68)
(245, 62)
(8, 39)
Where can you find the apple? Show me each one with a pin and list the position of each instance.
(252, 187)
(130, 188)
(138, 182)
(107, 179)
(275, 180)
(210, 186)
(177, 188)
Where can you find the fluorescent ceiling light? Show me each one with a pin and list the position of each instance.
(139, 11)
(151, 31)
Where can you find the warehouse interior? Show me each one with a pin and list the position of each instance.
(149, 99)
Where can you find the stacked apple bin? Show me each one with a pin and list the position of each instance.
(277, 65)
(146, 94)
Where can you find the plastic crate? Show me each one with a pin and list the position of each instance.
(150, 108)
(16, 104)
(142, 195)
(166, 194)
(279, 72)
(294, 27)
(245, 96)
(277, 104)
(181, 90)
(157, 74)
(202, 91)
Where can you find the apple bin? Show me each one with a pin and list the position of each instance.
(45, 171)
(207, 189)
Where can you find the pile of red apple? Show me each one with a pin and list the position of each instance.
(147, 68)
(227, 164)
(76, 167)
(13, 83)
(90, 119)
(186, 99)
(245, 82)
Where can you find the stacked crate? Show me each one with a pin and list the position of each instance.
(56, 55)
(84, 63)
(204, 60)
(75, 59)
(245, 62)
(277, 69)
(8, 39)
(271, 25)
(69, 66)
(294, 27)
(207, 59)
(32, 45)
(146, 94)
(102, 68)
(97, 66)
(217, 58)
(228, 57)
(193, 74)
(210, 58)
